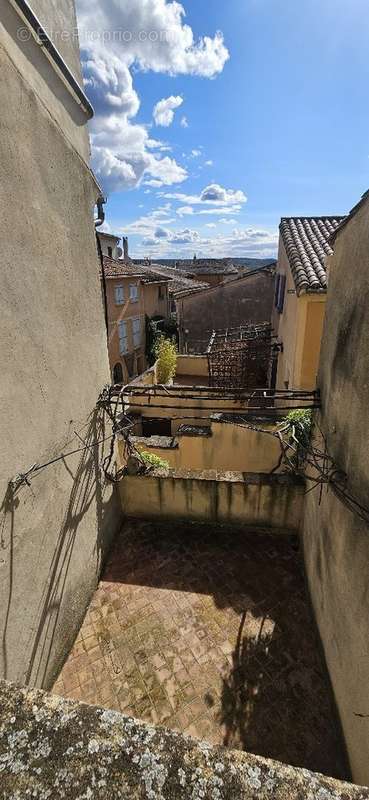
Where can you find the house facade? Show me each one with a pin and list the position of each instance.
(132, 295)
(246, 299)
(300, 297)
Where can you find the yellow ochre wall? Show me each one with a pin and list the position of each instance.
(153, 305)
(300, 329)
(228, 448)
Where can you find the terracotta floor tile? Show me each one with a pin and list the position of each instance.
(208, 630)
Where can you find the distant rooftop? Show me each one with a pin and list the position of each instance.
(179, 282)
(116, 268)
(307, 243)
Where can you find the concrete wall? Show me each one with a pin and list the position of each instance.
(53, 362)
(274, 501)
(300, 329)
(234, 303)
(336, 541)
(228, 447)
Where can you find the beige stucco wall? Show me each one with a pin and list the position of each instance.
(192, 366)
(53, 364)
(336, 541)
(36, 71)
(227, 448)
(154, 305)
(299, 328)
(233, 498)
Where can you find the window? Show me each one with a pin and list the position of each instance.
(133, 293)
(280, 289)
(161, 293)
(152, 426)
(123, 338)
(136, 328)
(110, 252)
(119, 295)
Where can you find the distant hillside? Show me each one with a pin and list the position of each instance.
(253, 263)
(245, 263)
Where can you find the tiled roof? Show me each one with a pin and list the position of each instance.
(179, 282)
(306, 240)
(214, 269)
(114, 268)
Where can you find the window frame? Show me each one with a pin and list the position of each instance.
(116, 289)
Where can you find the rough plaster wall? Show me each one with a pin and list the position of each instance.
(59, 19)
(336, 542)
(231, 305)
(37, 70)
(53, 363)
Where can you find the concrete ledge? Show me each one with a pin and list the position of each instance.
(54, 748)
(233, 498)
(155, 442)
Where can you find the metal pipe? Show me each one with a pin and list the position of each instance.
(99, 221)
(23, 8)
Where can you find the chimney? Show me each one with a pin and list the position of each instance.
(125, 248)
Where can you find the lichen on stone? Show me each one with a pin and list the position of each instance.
(53, 748)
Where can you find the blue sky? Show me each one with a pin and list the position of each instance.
(266, 117)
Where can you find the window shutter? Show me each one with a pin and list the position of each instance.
(276, 292)
(281, 294)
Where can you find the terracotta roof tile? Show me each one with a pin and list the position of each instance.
(178, 281)
(115, 268)
(306, 240)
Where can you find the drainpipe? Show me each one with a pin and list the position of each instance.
(56, 59)
(98, 222)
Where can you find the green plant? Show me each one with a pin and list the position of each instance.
(300, 424)
(151, 460)
(166, 354)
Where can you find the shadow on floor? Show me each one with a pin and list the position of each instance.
(275, 698)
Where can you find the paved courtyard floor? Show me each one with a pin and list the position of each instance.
(208, 631)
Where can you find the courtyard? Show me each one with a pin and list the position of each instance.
(208, 631)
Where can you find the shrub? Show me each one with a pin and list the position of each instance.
(300, 424)
(166, 353)
(151, 460)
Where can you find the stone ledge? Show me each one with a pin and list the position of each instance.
(54, 748)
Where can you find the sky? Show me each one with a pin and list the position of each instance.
(214, 118)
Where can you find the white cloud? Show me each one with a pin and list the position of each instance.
(213, 195)
(195, 153)
(148, 35)
(163, 112)
(209, 163)
(184, 211)
(211, 225)
(184, 122)
(239, 243)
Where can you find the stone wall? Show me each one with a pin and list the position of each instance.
(336, 541)
(50, 747)
(233, 303)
